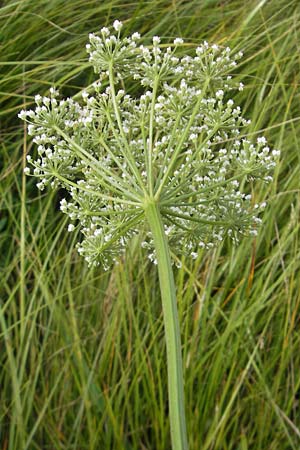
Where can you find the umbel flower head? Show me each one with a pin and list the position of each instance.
(176, 143)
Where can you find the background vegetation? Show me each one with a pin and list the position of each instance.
(82, 352)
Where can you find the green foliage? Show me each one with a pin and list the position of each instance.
(82, 361)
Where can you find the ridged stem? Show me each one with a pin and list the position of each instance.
(171, 325)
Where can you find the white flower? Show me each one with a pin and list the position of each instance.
(38, 98)
(46, 101)
(30, 129)
(22, 114)
(117, 25)
(276, 152)
(71, 227)
(63, 205)
(97, 84)
(253, 232)
(136, 36)
(261, 140)
(156, 40)
(178, 41)
(40, 186)
(53, 91)
(104, 31)
(220, 94)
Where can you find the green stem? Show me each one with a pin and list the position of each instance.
(172, 331)
(151, 131)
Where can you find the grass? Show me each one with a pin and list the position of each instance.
(82, 352)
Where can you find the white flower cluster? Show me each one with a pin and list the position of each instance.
(176, 142)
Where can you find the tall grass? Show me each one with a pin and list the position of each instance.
(82, 352)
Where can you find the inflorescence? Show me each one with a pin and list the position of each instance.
(176, 142)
